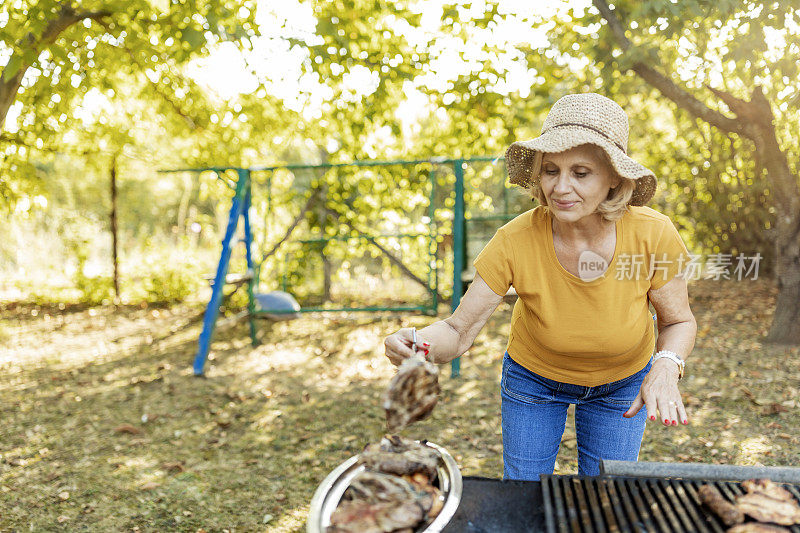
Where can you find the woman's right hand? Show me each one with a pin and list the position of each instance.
(399, 345)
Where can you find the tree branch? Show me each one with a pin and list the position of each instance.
(394, 260)
(293, 225)
(9, 85)
(666, 86)
(159, 91)
(15, 140)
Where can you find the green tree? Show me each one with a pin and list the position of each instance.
(731, 68)
(59, 50)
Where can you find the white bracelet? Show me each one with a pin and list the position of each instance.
(672, 356)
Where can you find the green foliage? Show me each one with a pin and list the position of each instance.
(94, 290)
(389, 81)
(136, 52)
(171, 283)
(714, 188)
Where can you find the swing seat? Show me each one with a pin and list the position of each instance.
(277, 305)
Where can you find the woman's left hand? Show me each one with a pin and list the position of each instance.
(659, 393)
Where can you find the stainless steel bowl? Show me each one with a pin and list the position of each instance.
(330, 491)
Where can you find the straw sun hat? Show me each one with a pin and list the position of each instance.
(577, 119)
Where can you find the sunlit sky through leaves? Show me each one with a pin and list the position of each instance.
(273, 69)
(228, 73)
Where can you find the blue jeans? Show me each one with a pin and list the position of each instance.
(534, 412)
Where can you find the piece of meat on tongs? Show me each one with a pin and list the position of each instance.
(412, 393)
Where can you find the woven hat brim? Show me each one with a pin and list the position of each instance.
(524, 158)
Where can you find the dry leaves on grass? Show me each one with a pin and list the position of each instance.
(173, 466)
(127, 429)
(280, 441)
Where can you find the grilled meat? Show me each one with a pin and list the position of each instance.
(433, 499)
(768, 488)
(395, 455)
(395, 492)
(757, 527)
(767, 502)
(412, 393)
(374, 487)
(355, 516)
(729, 513)
(766, 509)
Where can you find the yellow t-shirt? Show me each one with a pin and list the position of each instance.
(574, 331)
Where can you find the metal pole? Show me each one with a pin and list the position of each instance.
(459, 248)
(248, 242)
(433, 272)
(706, 472)
(212, 311)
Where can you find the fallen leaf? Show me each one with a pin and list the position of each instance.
(127, 428)
(150, 485)
(174, 466)
(62, 518)
(224, 420)
(63, 496)
(774, 409)
(774, 425)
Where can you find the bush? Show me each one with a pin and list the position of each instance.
(172, 283)
(95, 290)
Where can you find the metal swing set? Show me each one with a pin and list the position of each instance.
(279, 304)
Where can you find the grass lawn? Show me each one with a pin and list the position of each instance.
(104, 428)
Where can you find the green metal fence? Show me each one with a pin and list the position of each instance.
(452, 208)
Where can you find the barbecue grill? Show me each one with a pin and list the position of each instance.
(634, 502)
(588, 505)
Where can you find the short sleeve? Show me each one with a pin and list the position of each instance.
(495, 263)
(669, 258)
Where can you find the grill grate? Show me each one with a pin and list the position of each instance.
(575, 504)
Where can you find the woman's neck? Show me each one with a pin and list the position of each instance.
(587, 229)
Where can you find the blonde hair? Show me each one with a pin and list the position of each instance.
(612, 208)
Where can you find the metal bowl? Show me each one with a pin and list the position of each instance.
(330, 491)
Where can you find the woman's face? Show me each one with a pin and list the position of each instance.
(576, 181)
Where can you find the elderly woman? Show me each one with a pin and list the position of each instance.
(586, 263)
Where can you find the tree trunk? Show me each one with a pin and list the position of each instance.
(8, 92)
(114, 238)
(755, 121)
(785, 328)
(327, 270)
